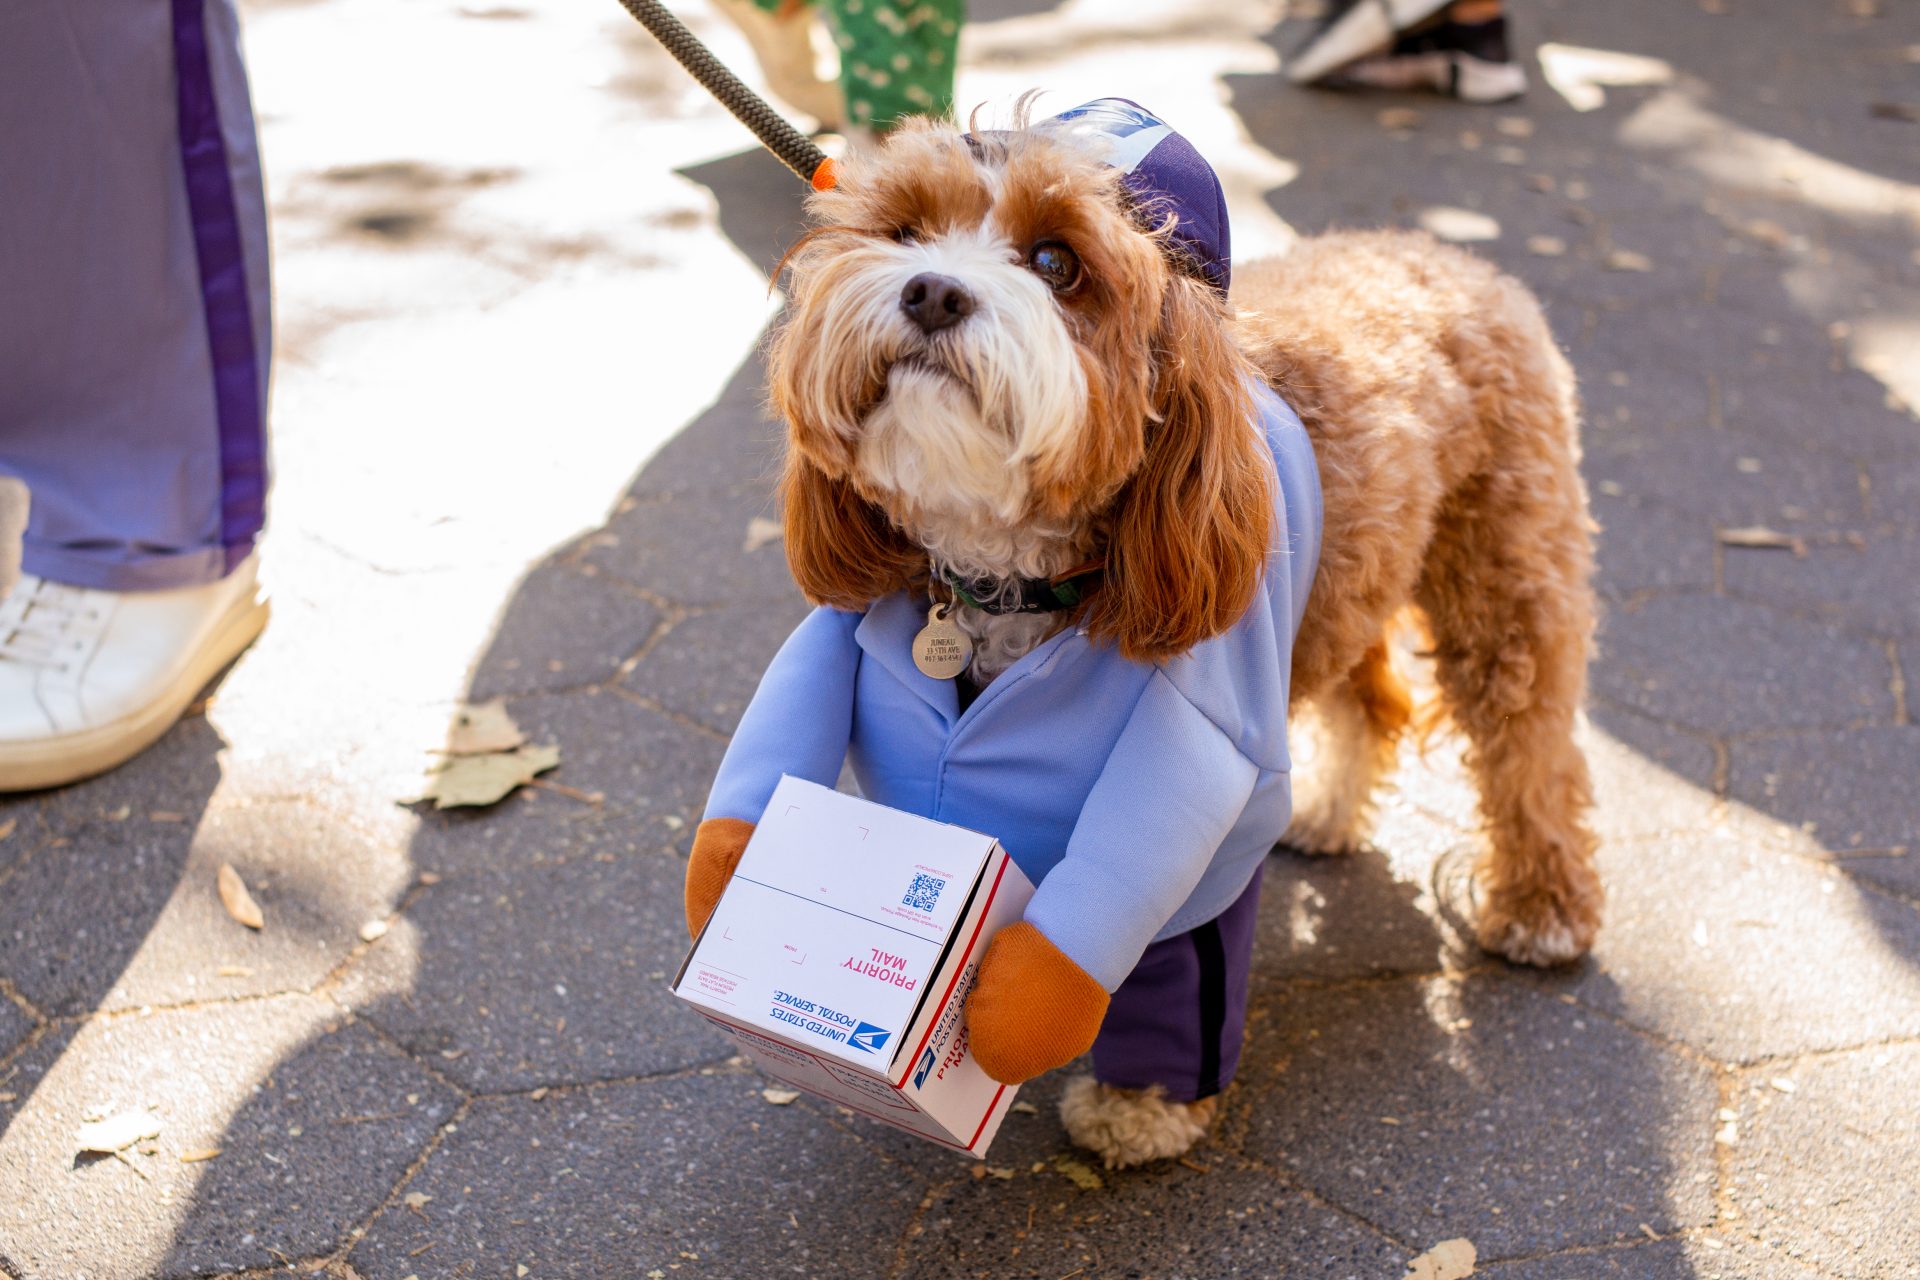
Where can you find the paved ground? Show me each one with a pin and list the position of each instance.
(520, 277)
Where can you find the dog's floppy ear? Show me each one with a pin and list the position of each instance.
(1192, 528)
(842, 549)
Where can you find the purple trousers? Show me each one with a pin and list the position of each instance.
(133, 290)
(1179, 1018)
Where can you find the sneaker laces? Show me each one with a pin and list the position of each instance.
(37, 621)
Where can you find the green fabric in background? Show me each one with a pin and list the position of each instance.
(896, 58)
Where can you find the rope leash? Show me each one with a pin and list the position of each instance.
(793, 148)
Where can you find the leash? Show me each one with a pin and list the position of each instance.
(793, 148)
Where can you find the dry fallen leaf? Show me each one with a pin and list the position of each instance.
(1546, 246)
(1081, 1176)
(195, 1157)
(761, 531)
(1448, 1260)
(1458, 225)
(416, 1201)
(1763, 537)
(235, 898)
(117, 1133)
(483, 728)
(1628, 260)
(487, 779)
(779, 1097)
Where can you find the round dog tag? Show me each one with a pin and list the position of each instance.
(942, 649)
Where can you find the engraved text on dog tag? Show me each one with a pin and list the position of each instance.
(942, 649)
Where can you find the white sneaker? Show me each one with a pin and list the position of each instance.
(1410, 44)
(89, 679)
(1453, 72)
(1354, 30)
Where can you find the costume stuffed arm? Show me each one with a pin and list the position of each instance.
(798, 722)
(1169, 795)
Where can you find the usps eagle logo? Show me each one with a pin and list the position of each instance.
(867, 1037)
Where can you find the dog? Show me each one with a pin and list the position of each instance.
(1020, 398)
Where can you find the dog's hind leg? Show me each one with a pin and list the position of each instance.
(1360, 720)
(1506, 592)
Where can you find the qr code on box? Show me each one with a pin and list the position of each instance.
(923, 893)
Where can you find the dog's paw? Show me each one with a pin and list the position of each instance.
(1535, 931)
(1126, 1127)
(1534, 928)
(1324, 830)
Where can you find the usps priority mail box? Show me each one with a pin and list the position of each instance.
(841, 955)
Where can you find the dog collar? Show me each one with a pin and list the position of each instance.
(1028, 595)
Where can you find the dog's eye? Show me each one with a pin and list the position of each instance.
(905, 235)
(1056, 264)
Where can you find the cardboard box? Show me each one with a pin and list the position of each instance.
(841, 955)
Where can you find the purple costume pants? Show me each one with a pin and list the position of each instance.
(133, 290)
(1179, 1018)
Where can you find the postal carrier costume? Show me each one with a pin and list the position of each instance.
(1140, 798)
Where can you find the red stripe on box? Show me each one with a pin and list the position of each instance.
(983, 1119)
(827, 1063)
(918, 1133)
(873, 1115)
(957, 971)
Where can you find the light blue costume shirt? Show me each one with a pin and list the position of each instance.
(1140, 798)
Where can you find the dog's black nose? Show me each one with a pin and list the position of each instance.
(935, 301)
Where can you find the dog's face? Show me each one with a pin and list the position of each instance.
(989, 359)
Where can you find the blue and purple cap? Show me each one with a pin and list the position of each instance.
(1168, 178)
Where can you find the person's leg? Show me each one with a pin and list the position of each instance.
(896, 60)
(133, 347)
(781, 33)
(133, 371)
(1455, 47)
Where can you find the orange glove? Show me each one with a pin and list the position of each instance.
(1032, 1009)
(717, 846)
